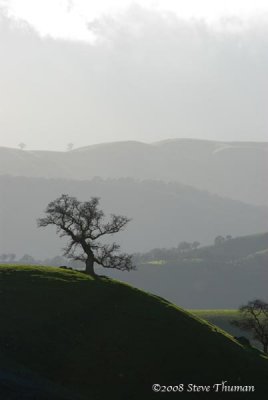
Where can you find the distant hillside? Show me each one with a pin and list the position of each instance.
(244, 251)
(163, 214)
(225, 249)
(232, 169)
(234, 249)
(225, 275)
(104, 339)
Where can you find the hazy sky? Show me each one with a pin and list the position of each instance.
(69, 18)
(85, 72)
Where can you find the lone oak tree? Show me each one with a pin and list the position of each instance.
(254, 319)
(83, 223)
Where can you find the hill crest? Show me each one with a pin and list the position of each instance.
(230, 169)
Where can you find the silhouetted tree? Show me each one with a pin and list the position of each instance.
(70, 146)
(184, 246)
(195, 245)
(83, 223)
(219, 240)
(3, 257)
(22, 145)
(12, 257)
(254, 319)
(27, 259)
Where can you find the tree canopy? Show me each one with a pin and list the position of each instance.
(254, 319)
(85, 225)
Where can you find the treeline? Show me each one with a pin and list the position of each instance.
(162, 254)
(225, 249)
(184, 250)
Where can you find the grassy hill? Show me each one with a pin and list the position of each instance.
(100, 337)
(222, 319)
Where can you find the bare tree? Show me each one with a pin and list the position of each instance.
(219, 240)
(254, 319)
(184, 246)
(84, 224)
(3, 257)
(195, 245)
(70, 146)
(22, 145)
(12, 257)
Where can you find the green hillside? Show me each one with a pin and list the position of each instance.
(222, 318)
(99, 337)
(235, 248)
(228, 250)
(198, 278)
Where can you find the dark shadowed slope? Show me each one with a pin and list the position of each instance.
(102, 337)
(19, 383)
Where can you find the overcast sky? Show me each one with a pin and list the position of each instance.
(87, 72)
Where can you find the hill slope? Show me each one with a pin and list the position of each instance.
(231, 169)
(103, 337)
(163, 214)
(224, 275)
(229, 250)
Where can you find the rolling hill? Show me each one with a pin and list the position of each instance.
(236, 250)
(163, 214)
(230, 169)
(220, 276)
(99, 337)
(222, 319)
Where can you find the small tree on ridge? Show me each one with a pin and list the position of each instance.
(83, 223)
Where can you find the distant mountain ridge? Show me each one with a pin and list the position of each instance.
(231, 169)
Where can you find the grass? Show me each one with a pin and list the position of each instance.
(211, 312)
(156, 262)
(100, 337)
(222, 318)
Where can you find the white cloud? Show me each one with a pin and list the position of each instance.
(153, 76)
(68, 18)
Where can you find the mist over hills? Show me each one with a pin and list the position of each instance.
(163, 214)
(231, 169)
(224, 275)
(198, 208)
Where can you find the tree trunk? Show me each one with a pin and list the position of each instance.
(90, 266)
